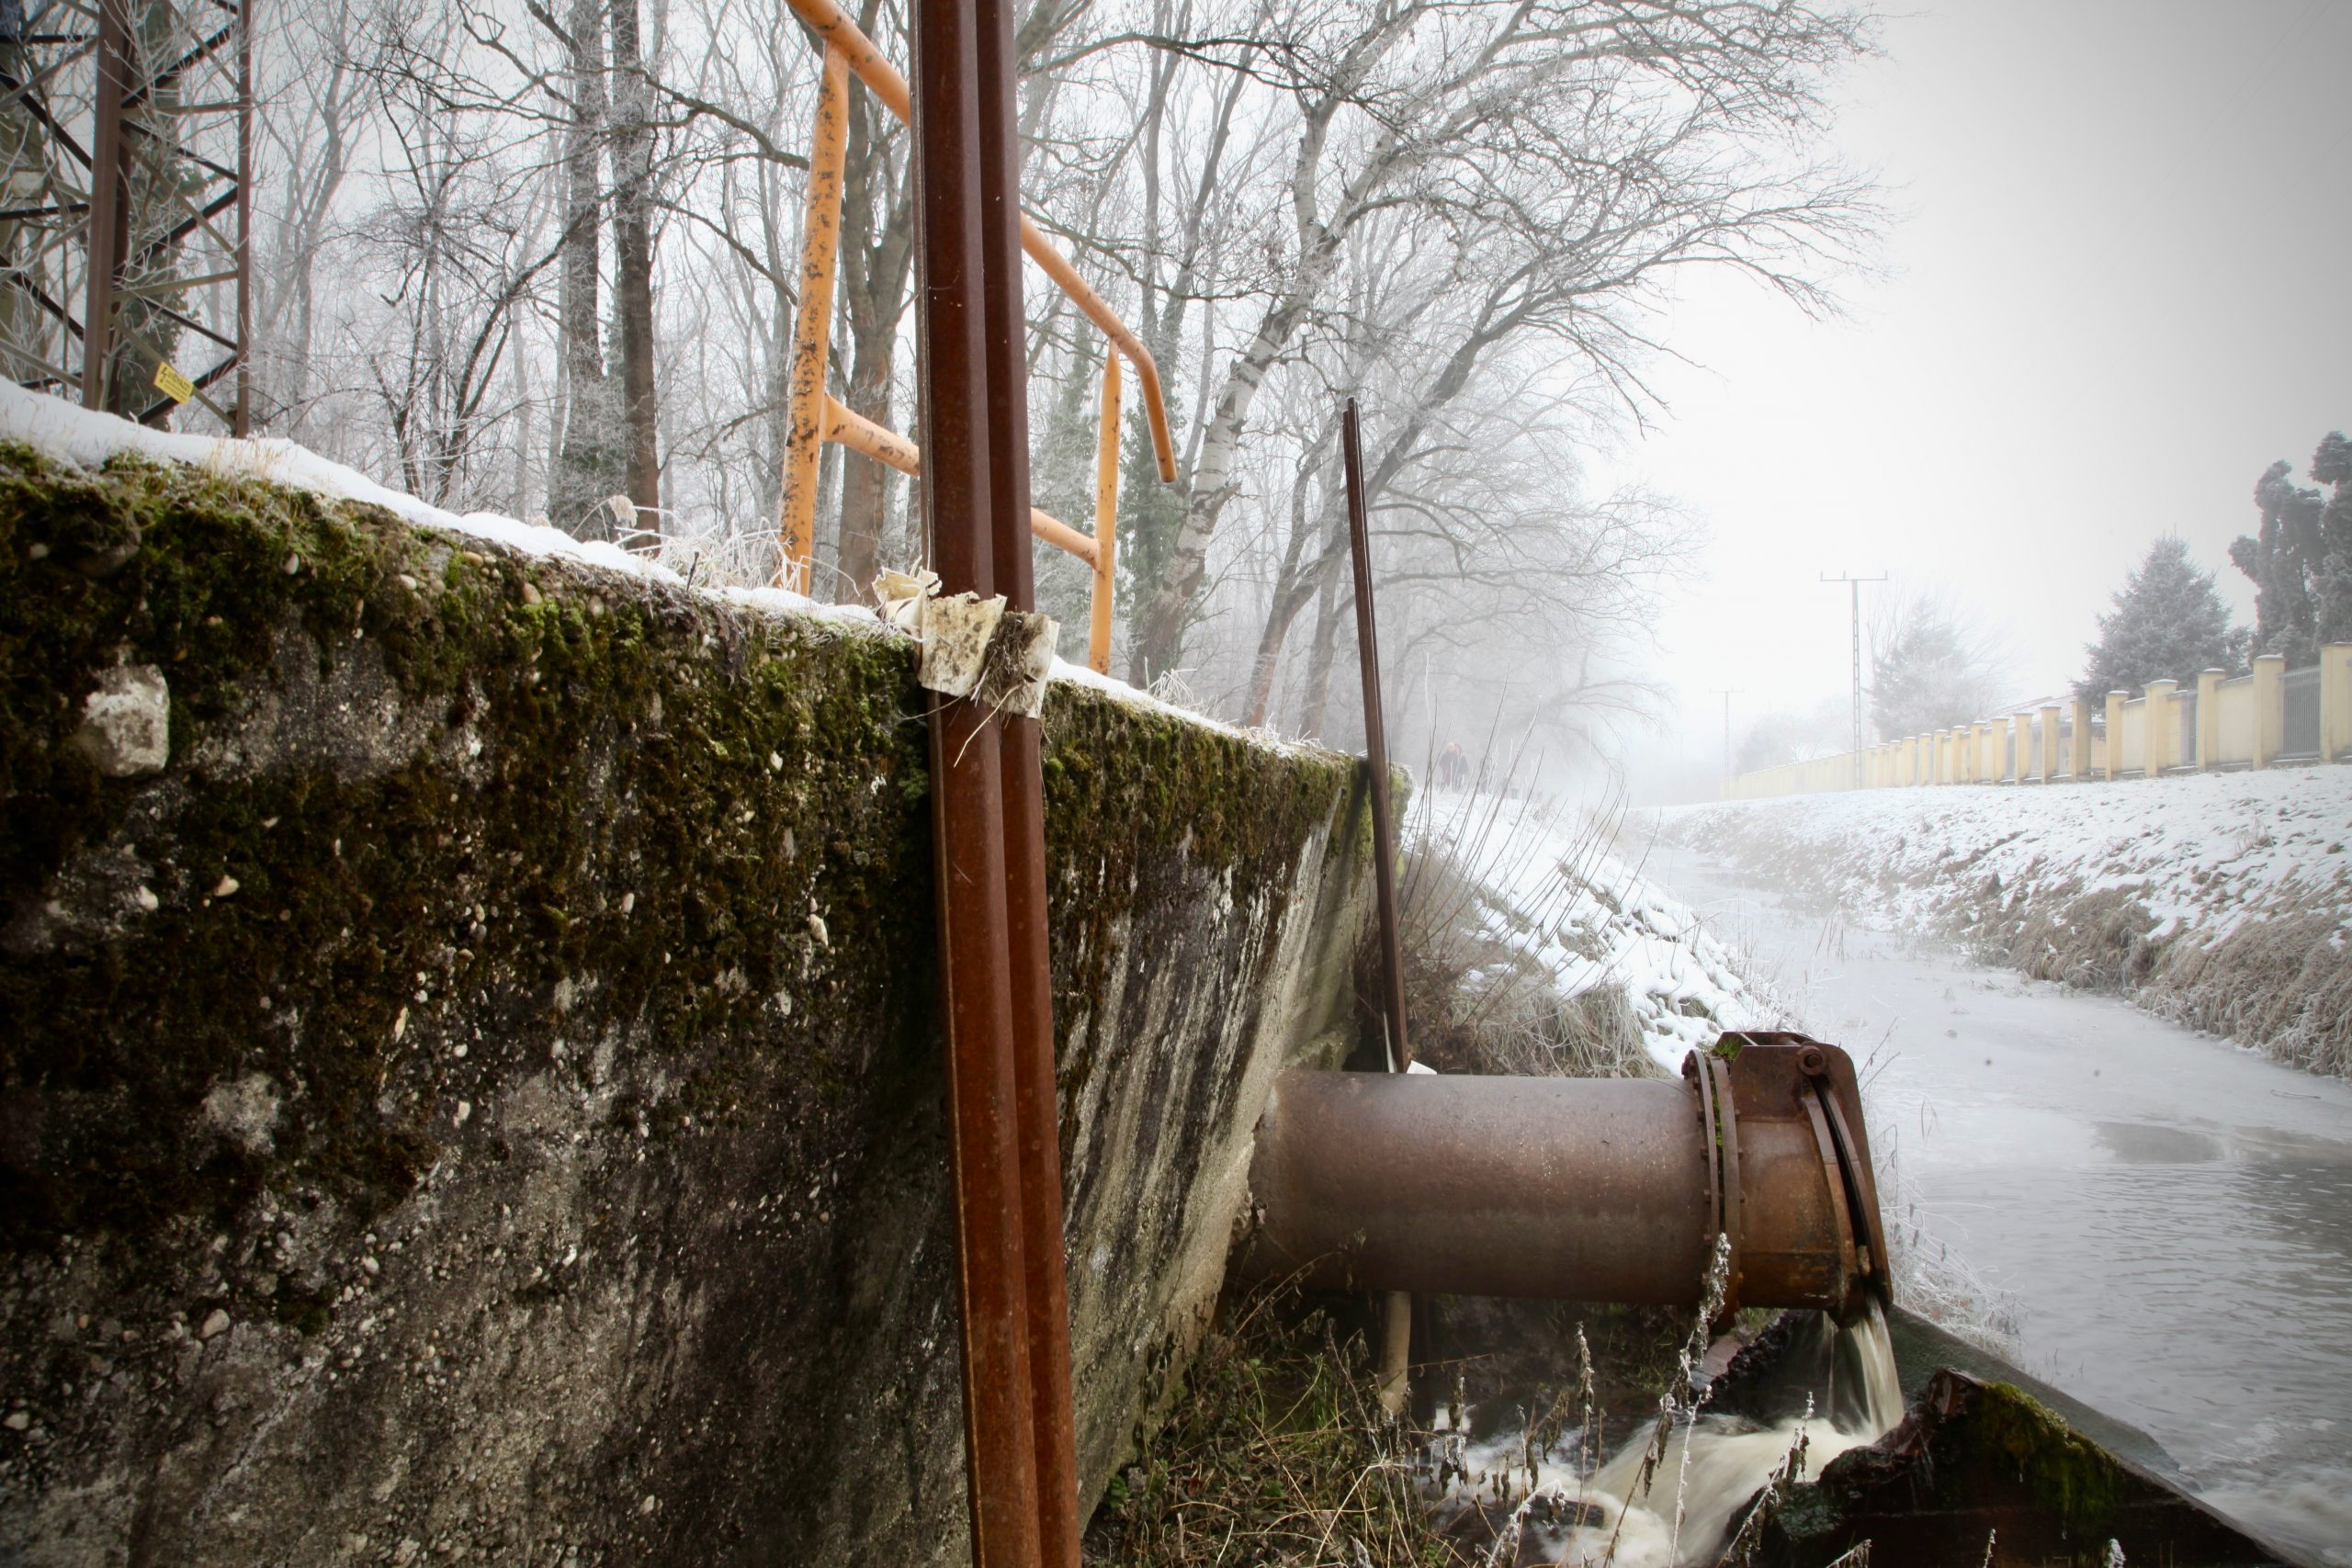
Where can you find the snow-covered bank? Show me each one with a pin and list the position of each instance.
(1546, 892)
(2219, 900)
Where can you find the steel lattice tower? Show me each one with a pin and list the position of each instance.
(126, 155)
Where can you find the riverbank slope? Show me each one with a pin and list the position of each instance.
(2219, 901)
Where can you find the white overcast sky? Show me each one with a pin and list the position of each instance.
(2120, 283)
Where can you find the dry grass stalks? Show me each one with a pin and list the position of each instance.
(2277, 981)
(1477, 999)
(1278, 1454)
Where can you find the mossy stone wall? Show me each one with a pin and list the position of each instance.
(481, 1096)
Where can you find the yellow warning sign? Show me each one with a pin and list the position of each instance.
(172, 384)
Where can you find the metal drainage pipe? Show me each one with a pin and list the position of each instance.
(1578, 1189)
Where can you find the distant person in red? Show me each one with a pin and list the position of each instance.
(1453, 767)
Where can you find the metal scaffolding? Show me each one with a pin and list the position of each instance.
(126, 134)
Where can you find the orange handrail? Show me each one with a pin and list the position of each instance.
(814, 417)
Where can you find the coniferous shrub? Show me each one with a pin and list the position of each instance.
(2169, 624)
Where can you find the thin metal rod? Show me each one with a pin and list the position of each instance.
(805, 413)
(1375, 746)
(1396, 1306)
(960, 229)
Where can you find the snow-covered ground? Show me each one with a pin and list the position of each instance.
(1559, 896)
(2220, 900)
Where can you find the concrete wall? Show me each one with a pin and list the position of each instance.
(2238, 723)
(471, 1084)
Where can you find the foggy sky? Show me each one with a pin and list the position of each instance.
(2119, 283)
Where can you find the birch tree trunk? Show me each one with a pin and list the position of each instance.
(588, 467)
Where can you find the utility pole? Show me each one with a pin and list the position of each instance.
(1855, 583)
(1726, 693)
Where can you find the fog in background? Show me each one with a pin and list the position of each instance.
(2119, 284)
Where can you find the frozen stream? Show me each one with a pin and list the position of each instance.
(2170, 1216)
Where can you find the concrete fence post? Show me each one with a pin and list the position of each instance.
(2050, 743)
(2208, 718)
(2161, 727)
(2336, 702)
(2270, 708)
(2115, 701)
(2078, 750)
(1988, 757)
(2020, 747)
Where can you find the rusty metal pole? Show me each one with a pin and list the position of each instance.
(805, 411)
(1106, 518)
(1397, 1312)
(1021, 763)
(954, 230)
(109, 195)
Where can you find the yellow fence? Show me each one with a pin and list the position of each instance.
(2269, 716)
(813, 416)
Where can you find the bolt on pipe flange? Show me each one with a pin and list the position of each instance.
(1577, 1189)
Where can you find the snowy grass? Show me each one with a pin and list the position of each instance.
(1540, 887)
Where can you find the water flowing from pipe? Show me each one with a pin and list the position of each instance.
(1712, 1463)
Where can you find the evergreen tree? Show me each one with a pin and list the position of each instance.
(2168, 622)
(2331, 466)
(2290, 563)
(1929, 670)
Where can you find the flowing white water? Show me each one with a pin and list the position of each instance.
(2167, 1218)
(1629, 1513)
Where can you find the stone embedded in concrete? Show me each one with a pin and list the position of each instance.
(127, 722)
(244, 1111)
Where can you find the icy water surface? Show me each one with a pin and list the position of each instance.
(2170, 1216)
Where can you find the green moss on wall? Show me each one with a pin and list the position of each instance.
(518, 809)
(608, 801)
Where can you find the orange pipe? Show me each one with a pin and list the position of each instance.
(804, 434)
(830, 22)
(1057, 267)
(1106, 519)
(846, 427)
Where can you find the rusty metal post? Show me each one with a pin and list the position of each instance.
(109, 230)
(986, 794)
(1021, 764)
(1106, 518)
(806, 413)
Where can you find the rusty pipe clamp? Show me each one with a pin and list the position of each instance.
(1578, 1189)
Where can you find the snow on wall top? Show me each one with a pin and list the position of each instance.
(88, 439)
